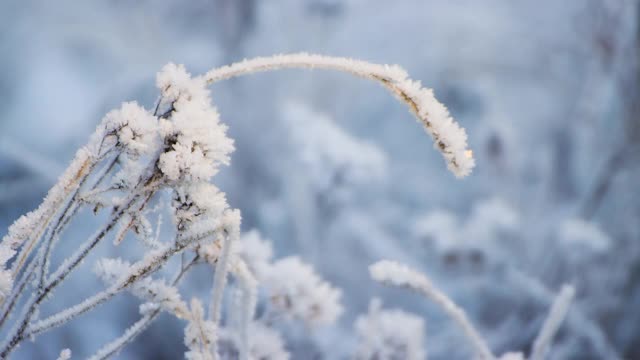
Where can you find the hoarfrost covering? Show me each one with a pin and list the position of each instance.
(199, 334)
(298, 291)
(180, 147)
(153, 291)
(197, 140)
(389, 334)
(134, 127)
(294, 287)
(257, 251)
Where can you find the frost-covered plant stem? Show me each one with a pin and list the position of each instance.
(66, 216)
(18, 334)
(556, 316)
(246, 316)
(220, 279)
(575, 319)
(50, 208)
(449, 138)
(246, 303)
(139, 326)
(9, 304)
(61, 273)
(139, 270)
(392, 273)
(62, 220)
(28, 231)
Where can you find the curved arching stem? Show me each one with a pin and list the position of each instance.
(450, 139)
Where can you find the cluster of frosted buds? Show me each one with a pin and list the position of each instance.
(299, 292)
(197, 203)
(195, 145)
(196, 142)
(295, 290)
(133, 129)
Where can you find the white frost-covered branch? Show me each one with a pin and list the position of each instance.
(396, 274)
(245, 304)
(152, 261)
(449, 138)
(25, 232)
(200, 335)
(559, 310)
(155, 291)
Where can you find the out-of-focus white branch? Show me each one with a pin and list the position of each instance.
(65, 354)
(396, 274)
(556, 316)
(247, 304)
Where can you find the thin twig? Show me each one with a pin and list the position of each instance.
(140, 270)
(139, 326)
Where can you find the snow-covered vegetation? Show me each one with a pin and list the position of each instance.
(139, 162)
(534, 254)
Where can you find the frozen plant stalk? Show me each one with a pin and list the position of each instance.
(395, 274)
(392, 273)
(551, 325)
(449, 138)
